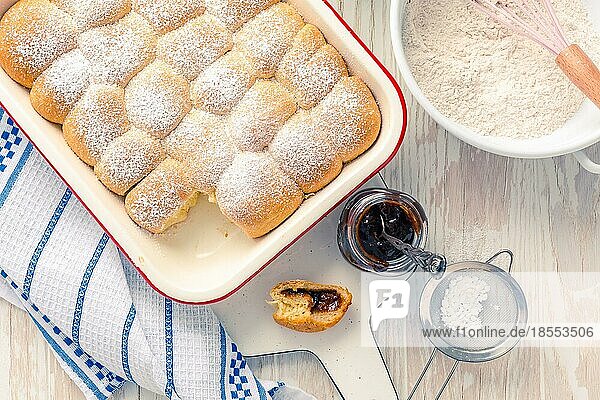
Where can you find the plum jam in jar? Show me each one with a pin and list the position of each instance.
(361, 226)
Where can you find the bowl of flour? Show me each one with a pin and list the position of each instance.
(492, 88)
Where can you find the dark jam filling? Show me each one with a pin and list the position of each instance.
(398, 223)
(323, 300)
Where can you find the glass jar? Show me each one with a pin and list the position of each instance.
(349, 240)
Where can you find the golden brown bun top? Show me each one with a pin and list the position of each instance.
(256, 195)
(33, 33)
(92, 13)
(350, 116)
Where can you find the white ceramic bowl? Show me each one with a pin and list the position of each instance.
(582, 131)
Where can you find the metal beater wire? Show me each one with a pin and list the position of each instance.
(534, 19)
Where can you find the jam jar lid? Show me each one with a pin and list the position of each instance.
(361, 225)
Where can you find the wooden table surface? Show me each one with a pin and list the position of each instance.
(547, 211)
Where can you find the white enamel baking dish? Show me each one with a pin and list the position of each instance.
(206, 258)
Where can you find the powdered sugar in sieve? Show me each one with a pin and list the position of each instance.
(462, 302)
(476, 304)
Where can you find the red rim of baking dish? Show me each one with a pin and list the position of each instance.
(386, 162)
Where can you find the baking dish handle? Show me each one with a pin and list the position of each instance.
(586, 162)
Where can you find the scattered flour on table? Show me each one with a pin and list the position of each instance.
(462, 302)
(485, 77)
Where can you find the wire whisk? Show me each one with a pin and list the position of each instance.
(537, 21)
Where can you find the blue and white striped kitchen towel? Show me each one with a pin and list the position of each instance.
(104, 323)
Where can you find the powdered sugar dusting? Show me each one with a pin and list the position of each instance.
(223, 83)
(305, 154)
(32, 47)
(166, 15)
(235, 12)
(266, 38)
(306, 43)
(260, 114)
(128, 159)
(120, 50)
(97, 119)
(157, 99)
(205, 167)
(310, 81)
(194, 46)
(253, 187)
(137, 67)
(162, 198)
(185, 140)
(349, 116)
(65, 81)
(92, 13)
(200, 143)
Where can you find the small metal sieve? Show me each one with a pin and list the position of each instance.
(504, 313)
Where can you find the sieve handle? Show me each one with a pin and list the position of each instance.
(447, 380)
(424, 371)
(510, 255)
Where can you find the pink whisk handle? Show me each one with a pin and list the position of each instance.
(582, 71)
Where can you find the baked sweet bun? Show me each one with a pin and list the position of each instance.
(128, 159)
(205, 167)
(118, 51)
(260, 114)
(305, 154)
(194, 46)
(309, 307)
(199, 142)
(350, 117)
(313, 79)
(256, 195)
(157, 99)
(306, 43)
(221, 86)
(55, 92)
(166, 15)
(234, 13)
(245, 102)
(162, 199)
(90, 14)
(266, 38)
(34, 33)
(97, 119)
(184, 140)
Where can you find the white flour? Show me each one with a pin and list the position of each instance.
(487, 78)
